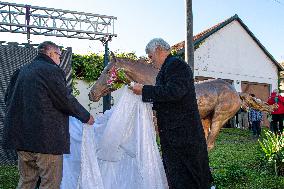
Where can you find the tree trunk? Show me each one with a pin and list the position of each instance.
(189, 49)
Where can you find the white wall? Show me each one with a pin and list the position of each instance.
(94, 107)
(231, 53)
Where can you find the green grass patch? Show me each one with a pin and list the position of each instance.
(9, 176)
(237, 163)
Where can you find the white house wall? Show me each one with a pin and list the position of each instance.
(94, 107)
(231, 53)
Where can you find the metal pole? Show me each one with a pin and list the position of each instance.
(28, 17)
(189, 49)
(107, 98)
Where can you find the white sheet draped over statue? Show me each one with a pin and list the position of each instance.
(118, 152)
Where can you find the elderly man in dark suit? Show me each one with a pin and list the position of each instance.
(38, 105)
(183, 143)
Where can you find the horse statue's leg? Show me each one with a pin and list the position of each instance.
(217, 123)
(206, 123)
(228, 105)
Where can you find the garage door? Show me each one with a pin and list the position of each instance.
(261, 91)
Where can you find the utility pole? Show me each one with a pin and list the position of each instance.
(189, 49)
(107, 98)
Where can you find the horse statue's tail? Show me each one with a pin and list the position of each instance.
(249, 101)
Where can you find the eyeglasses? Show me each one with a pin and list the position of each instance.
(59, 54)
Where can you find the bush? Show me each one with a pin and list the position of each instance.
(273, 151)
(89, 67)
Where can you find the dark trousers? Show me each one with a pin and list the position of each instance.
(185, 164)
(277, 123)
(256, 129)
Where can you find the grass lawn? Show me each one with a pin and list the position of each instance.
(8, 177)
(236, 162)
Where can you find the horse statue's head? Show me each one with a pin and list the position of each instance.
(136, 70)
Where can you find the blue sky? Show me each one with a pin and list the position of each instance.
(265, 18)
(141, 20)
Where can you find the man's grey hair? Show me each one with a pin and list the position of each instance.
(45, 46)
(157, 42)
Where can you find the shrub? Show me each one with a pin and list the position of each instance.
(273, 151)
(89, 67)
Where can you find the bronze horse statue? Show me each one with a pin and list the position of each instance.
(218, 101)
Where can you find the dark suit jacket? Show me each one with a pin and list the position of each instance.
(37, 109)
(174, 96)
(178, 119)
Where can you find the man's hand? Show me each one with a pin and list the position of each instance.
(136, 88)
(91, 120)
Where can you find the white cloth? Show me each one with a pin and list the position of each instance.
(72, 161)
(90, 176)
(126, 155)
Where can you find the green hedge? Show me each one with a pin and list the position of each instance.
(89, 67)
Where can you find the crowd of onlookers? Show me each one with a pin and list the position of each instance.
(253, 119)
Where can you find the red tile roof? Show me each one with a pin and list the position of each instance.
(197, 39)
(181, 45)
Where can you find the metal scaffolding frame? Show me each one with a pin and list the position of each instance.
(27, 19)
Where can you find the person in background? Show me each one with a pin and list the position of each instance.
(243, 119)
(278, 114)
(255, 118)
(38, 106)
